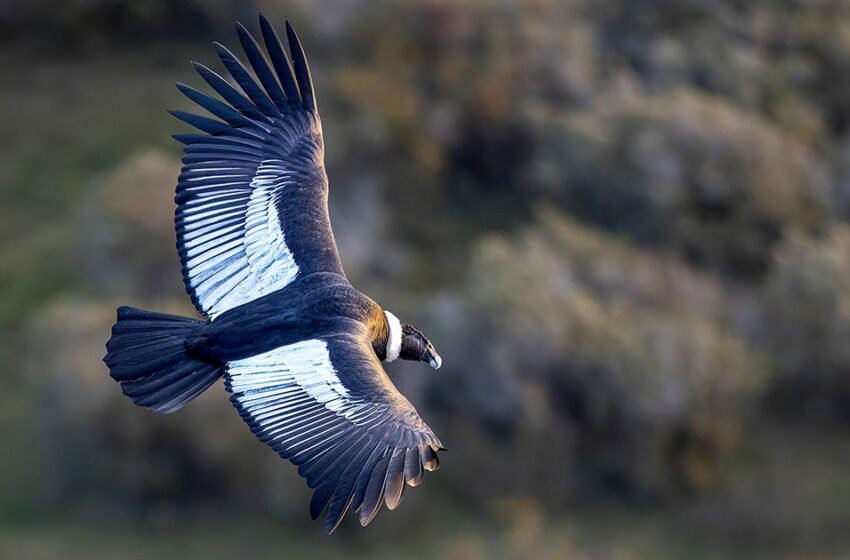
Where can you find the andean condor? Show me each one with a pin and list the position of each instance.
(299, 348)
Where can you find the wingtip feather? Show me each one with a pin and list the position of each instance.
(281, 62)
(394, 483)
(302, 69)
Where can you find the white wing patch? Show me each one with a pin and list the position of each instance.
(271, 260)
(233, 243)
(278, 389)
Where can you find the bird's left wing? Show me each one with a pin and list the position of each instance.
(328, 406)
(251, 199)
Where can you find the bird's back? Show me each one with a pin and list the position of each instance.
(313, 306)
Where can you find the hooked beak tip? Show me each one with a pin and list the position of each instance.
(436, 361)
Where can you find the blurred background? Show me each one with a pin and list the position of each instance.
(623, 224)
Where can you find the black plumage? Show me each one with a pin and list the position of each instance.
(299, 348)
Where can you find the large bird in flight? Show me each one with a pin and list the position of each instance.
(299, 348)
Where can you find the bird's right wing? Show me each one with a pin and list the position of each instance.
(252, 211)
(328, 406)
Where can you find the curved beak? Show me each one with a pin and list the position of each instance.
(431, 356)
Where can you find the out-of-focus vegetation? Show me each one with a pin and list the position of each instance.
(623, 224)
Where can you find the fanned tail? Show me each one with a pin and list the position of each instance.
(147, 356)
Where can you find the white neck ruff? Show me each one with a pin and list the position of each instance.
(394, 337)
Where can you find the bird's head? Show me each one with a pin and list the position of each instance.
(408, 343)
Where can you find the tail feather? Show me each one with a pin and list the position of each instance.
(147, 356)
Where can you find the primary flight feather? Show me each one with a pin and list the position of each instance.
(299, 348)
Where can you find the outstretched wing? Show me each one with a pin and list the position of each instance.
(328, 406)
(251, 199)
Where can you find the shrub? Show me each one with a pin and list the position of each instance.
(622, 361)
(807, 327)
(689, 172)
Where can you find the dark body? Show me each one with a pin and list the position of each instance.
(319, 305)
